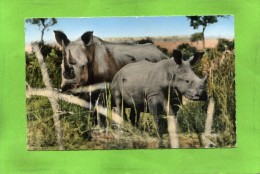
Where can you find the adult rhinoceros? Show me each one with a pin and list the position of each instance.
(149, 85)
(89, 59)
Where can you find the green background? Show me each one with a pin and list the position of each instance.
(14, 157)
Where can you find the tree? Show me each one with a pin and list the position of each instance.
(43, 24)
(204, 21)
(196, 37)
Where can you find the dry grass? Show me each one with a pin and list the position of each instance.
(169, 43)
(80, 132)
(209, 43)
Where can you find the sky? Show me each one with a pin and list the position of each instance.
(109, 27)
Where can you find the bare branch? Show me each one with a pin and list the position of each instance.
(172, 130)
(90, 88)
(53, 101)
(75, 100)
(208, 123)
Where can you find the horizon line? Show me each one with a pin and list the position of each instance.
(138, 37)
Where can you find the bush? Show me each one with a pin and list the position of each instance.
(223, 90)
(144, 41)
(164, 50)
(191, 117)
(187, 50)
(53, 61)
(221, 86)
(40, 125)
(224, 44)
(75, 124)
(33, 71)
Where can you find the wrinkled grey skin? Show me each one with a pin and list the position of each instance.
(89, 60)
(144, 85)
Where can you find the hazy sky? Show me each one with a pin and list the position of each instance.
(130, 27)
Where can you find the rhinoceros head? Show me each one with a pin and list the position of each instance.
(185, 80)
(76, 58)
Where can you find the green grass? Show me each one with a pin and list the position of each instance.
(80, 131)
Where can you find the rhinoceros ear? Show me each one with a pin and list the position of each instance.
(177, 55)
(61, 38)
(87, 38)
(197, 56)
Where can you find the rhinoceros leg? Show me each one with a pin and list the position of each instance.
(135, 116)
(118, 101)
(154, 106)
(120, 108)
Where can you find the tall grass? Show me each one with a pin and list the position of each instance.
(79, 128)
(221, 86)
(76, 123)
(108, 105)
(223, 90)
(191, 117)
(40, 125)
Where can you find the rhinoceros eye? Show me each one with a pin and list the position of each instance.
(187, 81)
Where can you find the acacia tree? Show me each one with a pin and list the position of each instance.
(196, 37)
(43, 24)
(204, 21)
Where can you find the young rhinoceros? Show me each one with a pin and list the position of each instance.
(143, 84)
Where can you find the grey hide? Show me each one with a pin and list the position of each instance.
(89, 59)
(145, 85)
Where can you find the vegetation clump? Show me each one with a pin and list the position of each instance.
(81, 131)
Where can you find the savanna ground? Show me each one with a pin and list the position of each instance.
(80, 129)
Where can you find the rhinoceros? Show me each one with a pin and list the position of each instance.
(90, 60)
(149, 85)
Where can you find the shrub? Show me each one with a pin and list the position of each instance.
(164, 50)
(191, 117)
(149, 40)
(75, 124)
(144, 41)
(224, 44)
(221, 86)
(53, 61)
(223, 90)
(40, 125)
(187, 50)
